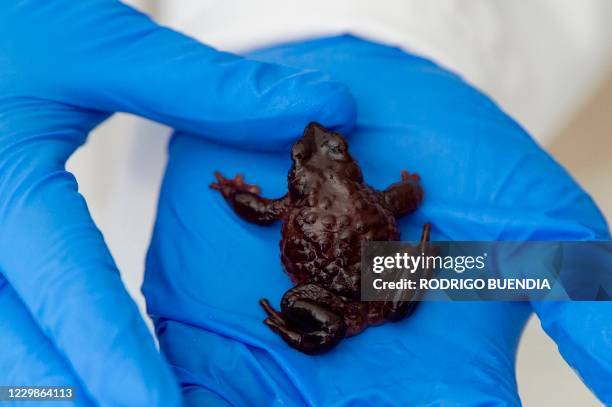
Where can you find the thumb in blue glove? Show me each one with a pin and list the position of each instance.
(65, 67)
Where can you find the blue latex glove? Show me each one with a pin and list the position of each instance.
(65, 66)
(484, 179)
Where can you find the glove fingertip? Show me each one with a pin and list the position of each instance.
(339, 111)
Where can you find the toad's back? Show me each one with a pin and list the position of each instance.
(323, 231)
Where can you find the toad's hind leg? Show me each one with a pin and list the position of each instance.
(400, 307)
(405, 196)
(246, 201)
(306, 321)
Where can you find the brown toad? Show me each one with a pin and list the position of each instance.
(328, 212)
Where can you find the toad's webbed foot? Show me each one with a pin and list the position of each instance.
(245, 200)
(405, 196)
(305, 323)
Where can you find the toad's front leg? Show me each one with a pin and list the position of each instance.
(246, 201)
(306, 320)
(405, 196)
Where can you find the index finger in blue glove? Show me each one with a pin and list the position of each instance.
(107, 56)
(97, 57)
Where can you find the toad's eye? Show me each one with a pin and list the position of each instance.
(299, 151)
(336, 148)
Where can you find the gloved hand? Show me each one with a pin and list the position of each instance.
(65, 66)
(484, 179)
